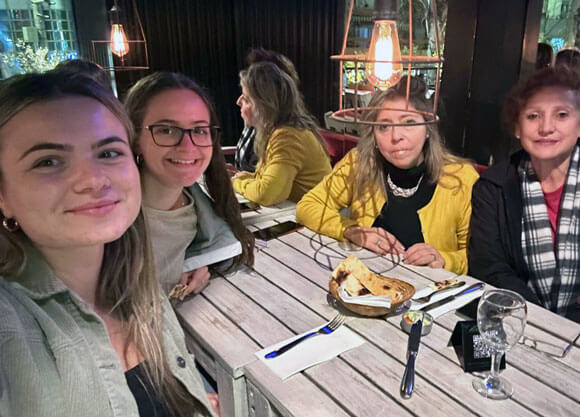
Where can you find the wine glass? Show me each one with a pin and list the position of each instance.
(501, 318)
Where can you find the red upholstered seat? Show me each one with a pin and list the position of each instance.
(480, 168)
(338, 144)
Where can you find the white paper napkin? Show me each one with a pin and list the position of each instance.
(364, 300)
(312, 351)
(451, 306)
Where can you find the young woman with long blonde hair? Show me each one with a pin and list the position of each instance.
(85, 329)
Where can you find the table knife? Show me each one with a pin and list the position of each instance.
(408, 382)
(446, 300)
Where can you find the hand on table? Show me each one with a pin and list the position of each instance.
(195, 280)
(422, 254)
(376, 239)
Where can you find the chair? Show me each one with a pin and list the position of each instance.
(338, 144)
(480, 168)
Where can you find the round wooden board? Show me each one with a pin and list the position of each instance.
(407, 289)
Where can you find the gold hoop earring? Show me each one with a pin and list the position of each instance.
(10, 224)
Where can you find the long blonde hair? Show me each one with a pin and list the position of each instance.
(127, 285)
(369, 174)
(277, 102)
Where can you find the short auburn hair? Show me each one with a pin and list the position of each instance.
(558, 77)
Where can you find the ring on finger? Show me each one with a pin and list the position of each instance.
(378, 243)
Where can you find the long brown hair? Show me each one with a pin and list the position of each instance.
(127, 286)
(217, 180)
(369, 176)
(277, 102)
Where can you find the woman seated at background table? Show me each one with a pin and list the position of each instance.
(245, 158)
(406, 193)
(525, 225)
(292, 157)
(85, 330)
(178, 142)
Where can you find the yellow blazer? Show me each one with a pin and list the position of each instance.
(444, 220)
(294, 162)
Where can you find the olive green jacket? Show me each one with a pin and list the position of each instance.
(56, 359)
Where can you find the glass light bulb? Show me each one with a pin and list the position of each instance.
(384, 47)
(119, 43)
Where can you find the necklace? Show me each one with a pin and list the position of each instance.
(182, 202)
(402, 192)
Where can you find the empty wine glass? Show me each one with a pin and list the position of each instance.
(501, 318)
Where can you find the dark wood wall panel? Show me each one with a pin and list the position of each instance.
(209, 40)
(484, 48)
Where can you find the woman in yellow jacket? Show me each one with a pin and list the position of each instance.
(406, 193)
(291, 154)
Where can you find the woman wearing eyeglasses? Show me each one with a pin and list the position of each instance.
(84, 329)
(177, 144)
(292, 157)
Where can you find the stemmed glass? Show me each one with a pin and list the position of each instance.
(501, 318)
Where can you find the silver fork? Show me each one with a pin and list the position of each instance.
(328, 328)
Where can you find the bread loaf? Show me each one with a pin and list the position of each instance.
(359, 280)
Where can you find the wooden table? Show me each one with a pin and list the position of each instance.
(263, 214)
(286, 294)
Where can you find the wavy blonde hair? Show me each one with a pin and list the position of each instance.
(127, 285)
(369, 173)
(277, 102)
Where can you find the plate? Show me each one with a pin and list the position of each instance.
(406, 289)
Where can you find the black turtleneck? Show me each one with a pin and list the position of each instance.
(399, 215)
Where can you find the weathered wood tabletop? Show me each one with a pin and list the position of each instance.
(286, 294)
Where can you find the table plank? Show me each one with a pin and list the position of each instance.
(529, 390)
(297, 396)
(219, 335)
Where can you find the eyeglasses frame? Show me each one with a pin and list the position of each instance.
(534, 345)
(214, 132)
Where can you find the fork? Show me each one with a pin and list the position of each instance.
(328, 328)
(427, 298)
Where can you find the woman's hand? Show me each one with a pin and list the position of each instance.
(215, 402)
(195, 280)
(240, 174)
(376, 239)
(422, 254)
(231, 169)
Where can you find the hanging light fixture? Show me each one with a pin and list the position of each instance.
(120, 51)
(119, 42)
(384, 65)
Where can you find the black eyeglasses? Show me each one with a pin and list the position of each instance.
(167, 135)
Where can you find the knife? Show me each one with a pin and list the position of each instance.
(446, 300)
(408, 382)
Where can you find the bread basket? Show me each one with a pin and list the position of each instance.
(407, 291)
